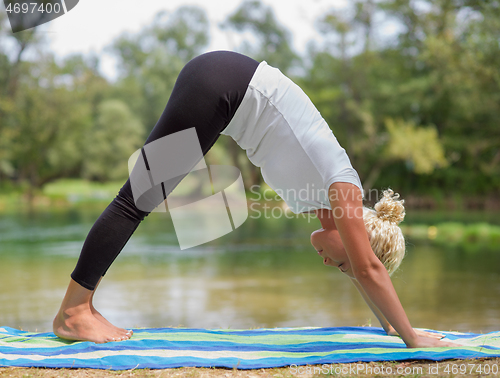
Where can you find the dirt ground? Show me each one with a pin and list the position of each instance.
(451, 368)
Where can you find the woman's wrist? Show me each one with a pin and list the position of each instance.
(411, 341)
(390, 330)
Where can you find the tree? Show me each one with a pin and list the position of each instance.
(114, 136)
(185, 32)
(274, 42)
(48, 123)
(151, 60)
(419, 147)
(12, 68)
(440, 71)
(271, 42)
(49, 117)
(450, 53)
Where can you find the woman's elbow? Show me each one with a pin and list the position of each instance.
(370, 271)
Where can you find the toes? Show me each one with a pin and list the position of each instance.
(117, 336)
(121, 337)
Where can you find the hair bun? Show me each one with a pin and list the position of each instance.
(390, 207)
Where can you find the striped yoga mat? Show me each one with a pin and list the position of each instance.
(244, 349)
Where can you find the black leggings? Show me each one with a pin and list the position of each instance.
(206, 95)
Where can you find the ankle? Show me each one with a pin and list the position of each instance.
(70, 311)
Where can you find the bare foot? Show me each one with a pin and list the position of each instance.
(76, 320)
(80, 324)
(103, 320)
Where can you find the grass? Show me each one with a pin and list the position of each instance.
(78, 193)
(418, 368)
(456, 235)
(65, 193)
(76, 189)
(74, 193)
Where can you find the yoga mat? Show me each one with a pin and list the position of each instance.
(162, 348)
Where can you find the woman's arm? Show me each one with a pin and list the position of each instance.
(388, 328)
(347, 210)
(381, 318)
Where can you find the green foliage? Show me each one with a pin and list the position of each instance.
(418, 146)
(151, 60)
(44, 129)
(417, 111)
(274, 41)
(437, 72)
(81, 191)
(115, 135)
(471, 238)
(184, 32)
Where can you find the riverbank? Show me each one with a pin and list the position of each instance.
(471, 238)
(423, 369)
(458, 227)
(62, 194)
(78, 192)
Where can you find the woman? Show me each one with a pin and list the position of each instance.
(275, 122)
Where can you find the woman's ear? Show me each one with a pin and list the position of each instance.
(313, 239)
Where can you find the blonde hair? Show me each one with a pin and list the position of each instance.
(386, 238)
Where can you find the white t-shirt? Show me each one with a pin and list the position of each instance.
(285, 135)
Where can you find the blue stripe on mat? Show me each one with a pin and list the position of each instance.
(245, 349)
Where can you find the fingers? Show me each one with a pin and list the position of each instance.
(450, 344)
(433, 335)
(438, 336)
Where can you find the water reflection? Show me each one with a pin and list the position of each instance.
(263, 275)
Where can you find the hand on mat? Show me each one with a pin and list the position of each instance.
(429, 342)
(426, 339)
(438, 336)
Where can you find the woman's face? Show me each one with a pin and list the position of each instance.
(329, 246)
